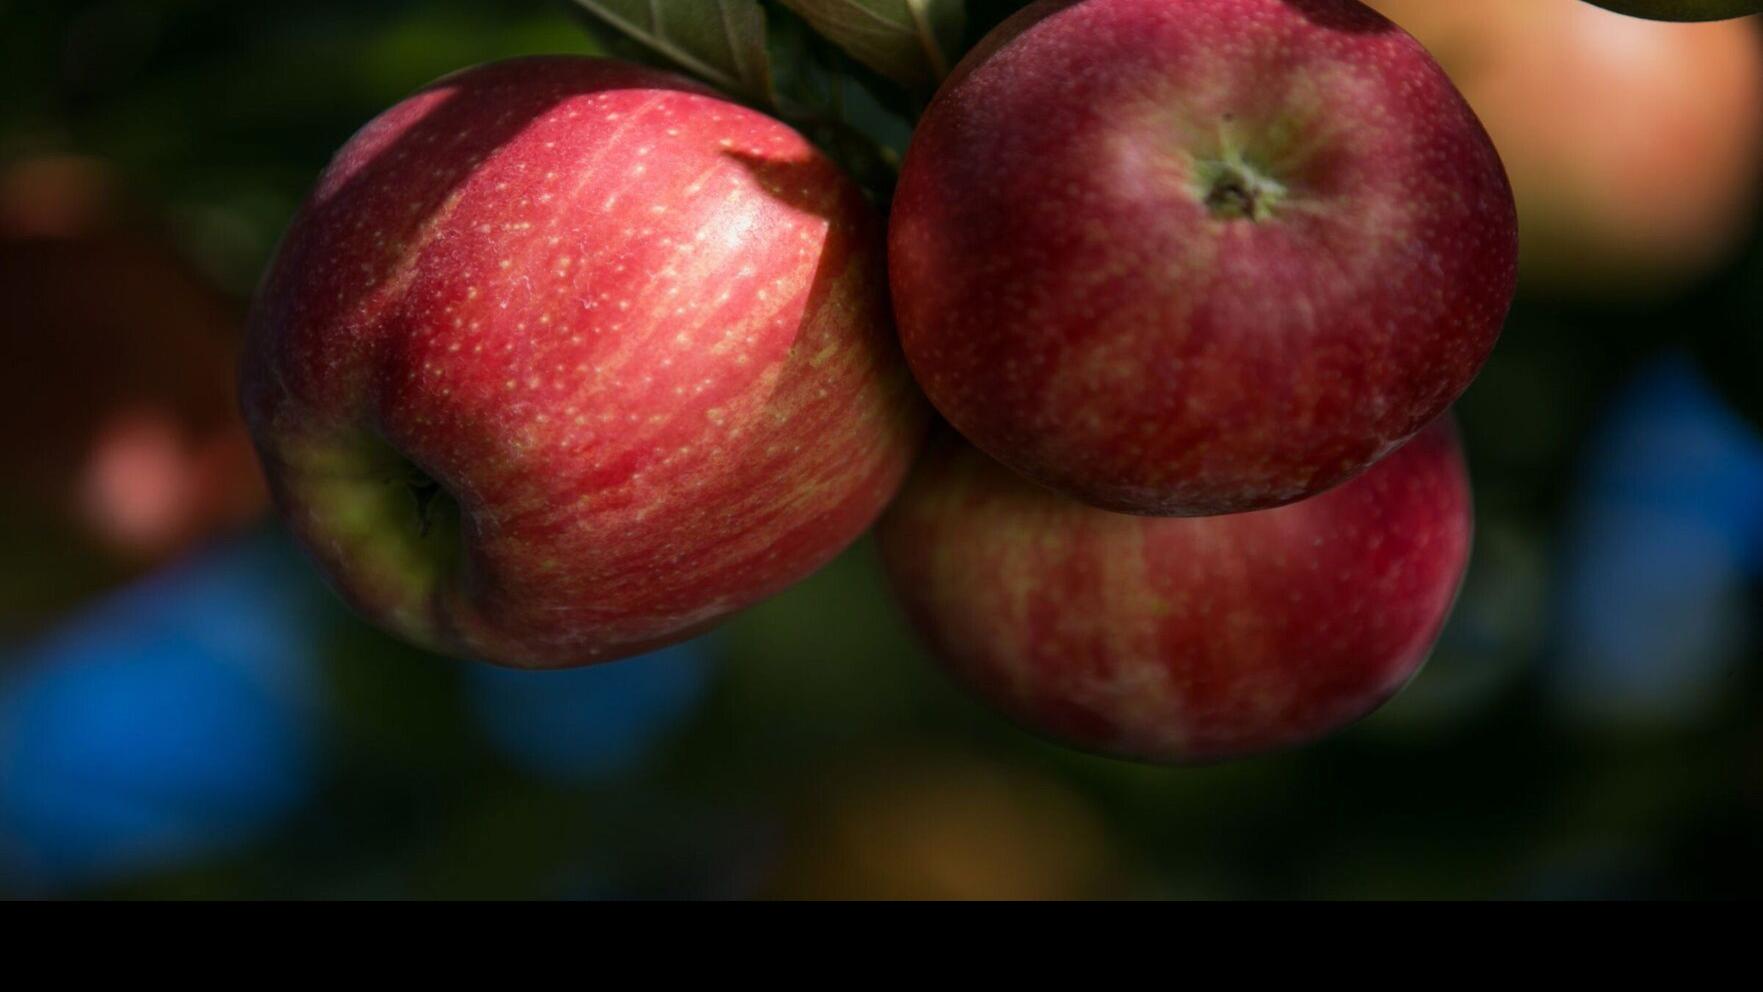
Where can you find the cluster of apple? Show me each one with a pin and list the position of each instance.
(567, 359)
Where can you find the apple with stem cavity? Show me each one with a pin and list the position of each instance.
(1201, 257)
(1182, 640)
(566, 359)
(1634, 147)
(1684, 10)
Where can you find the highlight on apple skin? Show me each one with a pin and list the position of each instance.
(1202, 257)
(1633, 146)
(567, 359)
(1683, 10)
(1178, 640)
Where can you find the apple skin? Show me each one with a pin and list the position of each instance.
(627, 341)
(1073, 305)
(1683, 10)
(1177, 640)
(1634, 147)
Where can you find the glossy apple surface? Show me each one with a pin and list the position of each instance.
(567, 359)
(1182, 640)
(1201, 257)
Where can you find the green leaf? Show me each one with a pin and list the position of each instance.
(908, 41)
(720, 41)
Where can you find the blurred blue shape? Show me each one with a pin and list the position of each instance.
(1666, 533)
(578, 725)
(1595, 870)
(168, 721)
(1672, 444)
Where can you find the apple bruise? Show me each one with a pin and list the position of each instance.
(1182, 640)
(634, 334)
(1246, 248)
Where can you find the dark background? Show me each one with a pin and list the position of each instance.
(186, 712)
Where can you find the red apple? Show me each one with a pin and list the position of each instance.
(1684, 10)
(1201, 257)
(1635, 147)
(124, 444)
(566, 359)
(1182, 640)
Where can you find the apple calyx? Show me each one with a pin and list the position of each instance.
(432, 501)
(437, 512)
(1232, 189)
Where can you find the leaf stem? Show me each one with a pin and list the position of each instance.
(927, 40)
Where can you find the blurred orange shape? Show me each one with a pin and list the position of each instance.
(123, 442)
(1635, 147)
(137, 489)
(946, 827)
(56, 196)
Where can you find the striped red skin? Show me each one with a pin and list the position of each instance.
(1182, 640)
(1072, 305)
(637, 333)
